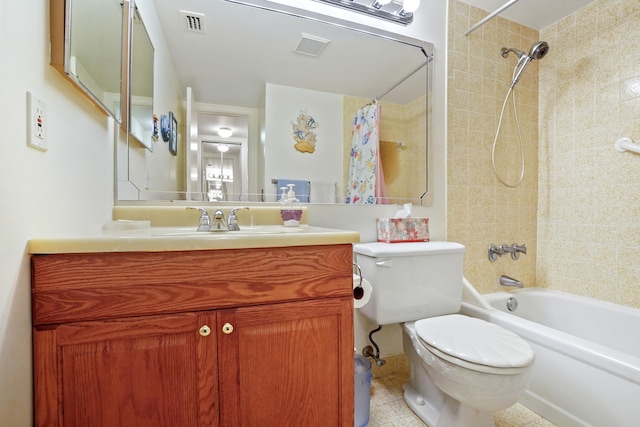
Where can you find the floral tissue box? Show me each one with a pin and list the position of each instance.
(400, 230)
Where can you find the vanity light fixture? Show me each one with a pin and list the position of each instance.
(377, 4)
(408, 7)
(398, 11)
(225, 132)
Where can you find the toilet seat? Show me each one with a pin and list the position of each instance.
(474, 344)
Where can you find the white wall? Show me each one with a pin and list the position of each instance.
(68, 189)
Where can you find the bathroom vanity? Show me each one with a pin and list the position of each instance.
(194, 334)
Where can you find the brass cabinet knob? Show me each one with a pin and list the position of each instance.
(227, 328)
(205, 331)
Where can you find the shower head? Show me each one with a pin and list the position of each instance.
(537, 51)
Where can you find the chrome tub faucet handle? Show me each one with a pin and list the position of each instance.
(495, 252)
(517, 250)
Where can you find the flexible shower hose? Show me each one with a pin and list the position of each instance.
(495, 140)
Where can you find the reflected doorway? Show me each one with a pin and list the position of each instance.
(223, 156)
(221, 169)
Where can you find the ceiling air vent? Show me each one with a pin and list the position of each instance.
(193, 21)
(310, 45)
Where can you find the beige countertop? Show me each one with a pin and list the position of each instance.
(155, 239)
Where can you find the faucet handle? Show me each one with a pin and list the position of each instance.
(232, 220)
(517, 250)
(205, 219)
(494, 252)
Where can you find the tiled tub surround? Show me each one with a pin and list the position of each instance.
(576, 207)
(479, 78)
(589, 194)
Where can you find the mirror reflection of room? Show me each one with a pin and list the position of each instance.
(277, 80)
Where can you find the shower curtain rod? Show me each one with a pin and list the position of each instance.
(490, 16)
(399, 82)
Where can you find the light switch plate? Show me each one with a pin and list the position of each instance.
(37, 123)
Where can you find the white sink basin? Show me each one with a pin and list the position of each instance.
(243, 232)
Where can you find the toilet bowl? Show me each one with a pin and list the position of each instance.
(462, 369)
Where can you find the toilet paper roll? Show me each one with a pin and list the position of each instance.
(367, 289)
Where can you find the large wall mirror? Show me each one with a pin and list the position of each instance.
(275, 79)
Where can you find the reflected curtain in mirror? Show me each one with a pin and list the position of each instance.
(366, 178)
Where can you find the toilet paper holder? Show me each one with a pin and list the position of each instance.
(358, 291)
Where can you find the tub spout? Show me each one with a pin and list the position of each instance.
(510, 281)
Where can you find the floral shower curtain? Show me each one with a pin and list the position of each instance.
(366, 181)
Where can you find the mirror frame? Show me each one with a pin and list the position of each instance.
(60, 20)
(131, 72)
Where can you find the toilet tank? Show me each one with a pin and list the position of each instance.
(411, 281)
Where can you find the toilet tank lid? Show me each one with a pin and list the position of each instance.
(382, 249)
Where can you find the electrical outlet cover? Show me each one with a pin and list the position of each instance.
(36, 123)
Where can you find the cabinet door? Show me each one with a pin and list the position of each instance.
(287, 364)
(155, 371)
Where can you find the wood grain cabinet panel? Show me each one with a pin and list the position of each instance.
(257, 352)
(280, 366)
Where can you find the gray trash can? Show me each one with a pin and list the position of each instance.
(362, 401)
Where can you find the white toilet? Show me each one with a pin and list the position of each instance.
(462, 369)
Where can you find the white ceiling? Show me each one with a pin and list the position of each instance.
(244, 48)
(536, 14)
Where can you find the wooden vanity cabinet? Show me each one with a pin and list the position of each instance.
(252, 337)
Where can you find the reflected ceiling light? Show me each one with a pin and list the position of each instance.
(398, 11)
(225, 132)
(223, 148)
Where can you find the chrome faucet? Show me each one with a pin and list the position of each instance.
(515, 250)
(205, 219)
(219, 223)
(510, 281)
(233, 219)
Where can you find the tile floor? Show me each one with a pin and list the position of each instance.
(389, 410)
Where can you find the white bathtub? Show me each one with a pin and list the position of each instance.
(587, 366)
